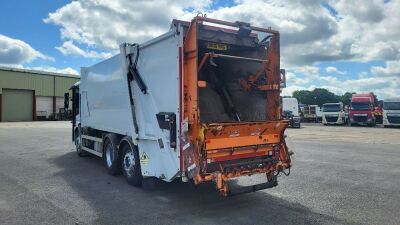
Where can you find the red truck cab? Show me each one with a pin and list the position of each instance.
(362, 110)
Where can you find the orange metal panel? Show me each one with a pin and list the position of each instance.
(190, 71)
(218, 143)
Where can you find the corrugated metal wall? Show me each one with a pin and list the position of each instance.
(42, 84)
(63, 84)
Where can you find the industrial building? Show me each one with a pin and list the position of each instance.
(27, 95)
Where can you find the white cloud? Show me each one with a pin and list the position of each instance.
(383, 81)
(14, 51)
(109, 23)
(332, 69)
(371, 27)
(360, 31)
(68, 48)
(392, 68)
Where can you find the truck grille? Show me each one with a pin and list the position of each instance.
(360, 119)
(394, 119)
(331, 119)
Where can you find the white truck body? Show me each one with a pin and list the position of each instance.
(333, 113)
(290, 104)
(105, 103)
(391, 112)
(312, 113)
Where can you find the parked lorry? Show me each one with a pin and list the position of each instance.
(391, 112)
(291, 111)
(333, 113)
(200, 102)
(312, 113)
(362, 110)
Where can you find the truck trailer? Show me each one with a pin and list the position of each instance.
(199, 103)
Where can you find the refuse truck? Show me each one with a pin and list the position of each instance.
(200, 103)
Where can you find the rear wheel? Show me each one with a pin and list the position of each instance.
(111, 157)
(131, 165)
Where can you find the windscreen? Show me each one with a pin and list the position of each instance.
(331, 108)
(391, 105)
(360, 106)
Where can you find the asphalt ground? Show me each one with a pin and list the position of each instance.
(340, 175)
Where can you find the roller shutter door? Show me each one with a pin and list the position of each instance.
(17, 105)
(44, 106)
(59, 103)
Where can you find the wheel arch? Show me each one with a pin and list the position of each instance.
(126, 141)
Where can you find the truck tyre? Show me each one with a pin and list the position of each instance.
(131, 165)
(111, 156)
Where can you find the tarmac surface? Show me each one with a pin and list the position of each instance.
(340, 175)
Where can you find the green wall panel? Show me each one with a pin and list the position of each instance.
(63, 84)
(42, 84)
(17, 105)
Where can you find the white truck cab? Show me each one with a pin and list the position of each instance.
(391, 112)
(333, 113)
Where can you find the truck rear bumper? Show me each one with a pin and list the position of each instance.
(232, 150)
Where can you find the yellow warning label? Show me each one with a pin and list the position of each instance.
(144, 159)
(217, 46)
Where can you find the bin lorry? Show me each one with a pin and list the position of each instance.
(362, 110)
(391, 112)
(199, 103)
(333, 113)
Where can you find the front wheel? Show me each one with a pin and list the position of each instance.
(131, 165)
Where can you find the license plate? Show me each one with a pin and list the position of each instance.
(217, 46)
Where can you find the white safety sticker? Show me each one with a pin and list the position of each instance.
(144, 159)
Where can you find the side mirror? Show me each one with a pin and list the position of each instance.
(66, 100)
(283, 78)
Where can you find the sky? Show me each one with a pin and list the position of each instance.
(343, 46)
